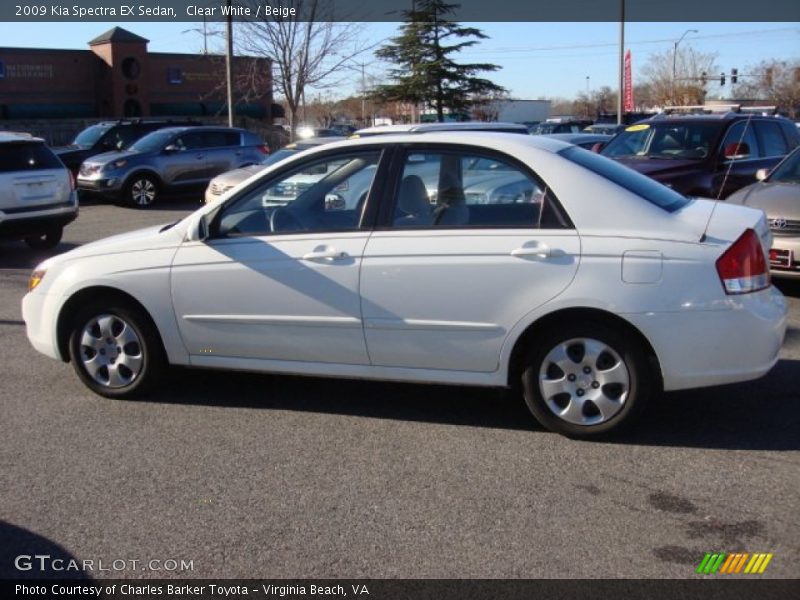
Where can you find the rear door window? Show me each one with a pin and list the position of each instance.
(452, 189)
(27, 156)
(772, 141)
(740, 141)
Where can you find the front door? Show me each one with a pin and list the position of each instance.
(279, 282)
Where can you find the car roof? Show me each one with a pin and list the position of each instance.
(198, 128)
(490, 140)
(18, 136)
(313, 142)
(429, 127)
(580, 137)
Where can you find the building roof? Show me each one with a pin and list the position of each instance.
(117, 34)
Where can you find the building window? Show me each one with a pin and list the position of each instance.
(174, 75)
(131, 68)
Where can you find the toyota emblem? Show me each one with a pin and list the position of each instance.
(779, 223)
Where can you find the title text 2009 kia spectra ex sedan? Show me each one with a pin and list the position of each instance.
(460, 257)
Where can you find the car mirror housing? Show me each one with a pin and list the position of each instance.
(198, 228)
(762, 174)
(169, 149)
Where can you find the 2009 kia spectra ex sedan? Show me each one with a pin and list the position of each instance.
(587, 283)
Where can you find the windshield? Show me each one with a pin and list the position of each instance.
(666, 140)
(152, 141)
(90, 136)
(788, 171)
(633, 181)
(542, 128)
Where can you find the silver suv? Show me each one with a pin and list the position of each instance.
(178, 159)
(37, 192)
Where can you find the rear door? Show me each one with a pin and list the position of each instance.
(741, 155)
(31, 177)
(473, 241)
(224, 151)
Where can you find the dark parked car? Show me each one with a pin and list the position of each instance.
(560, 125)
(179, 159)
(710, 155)
(108, 136)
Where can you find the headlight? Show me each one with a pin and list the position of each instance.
(36, 278)
(116, 164)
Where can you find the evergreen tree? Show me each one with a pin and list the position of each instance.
(426, 71)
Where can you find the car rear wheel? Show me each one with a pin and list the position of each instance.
(45, 240)
(116, 351)
(142, 191)
(586, 379)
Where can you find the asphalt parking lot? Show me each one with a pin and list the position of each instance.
(274, 476)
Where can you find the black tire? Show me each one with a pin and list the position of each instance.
(46, 240)
(123, 378)
(142, 191)
(573, 412)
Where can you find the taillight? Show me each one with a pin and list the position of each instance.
(264, 149)
(743, 268)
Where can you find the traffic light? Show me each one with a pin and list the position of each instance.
(703, 77)
(734, 75)
(722, 78)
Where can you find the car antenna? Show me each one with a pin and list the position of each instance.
(725, 179)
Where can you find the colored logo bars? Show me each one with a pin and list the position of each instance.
(738, 562)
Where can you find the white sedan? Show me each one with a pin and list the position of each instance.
(590, 287)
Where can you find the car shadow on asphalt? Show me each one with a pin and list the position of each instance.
(28, 555)
(758, 415)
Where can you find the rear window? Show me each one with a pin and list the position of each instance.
(633, 181)
(27, 156)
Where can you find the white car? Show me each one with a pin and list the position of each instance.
(601, 289)
(37, 192)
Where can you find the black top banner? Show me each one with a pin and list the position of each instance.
(393, 10)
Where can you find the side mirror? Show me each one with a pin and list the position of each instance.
(198, 228)
(119, 145)
(761, 174)
(737, 151)
(597, 147)
(171, 149)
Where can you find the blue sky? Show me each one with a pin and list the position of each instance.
(538, 59)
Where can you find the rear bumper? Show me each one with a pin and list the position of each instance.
(19, 224)
(730, 345)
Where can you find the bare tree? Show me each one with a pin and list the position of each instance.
(310, 50)
(687, 87)
(777, 82)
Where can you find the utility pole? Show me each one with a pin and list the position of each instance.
(363, 97)
(229, 62)
(621, 60)
(674, 61)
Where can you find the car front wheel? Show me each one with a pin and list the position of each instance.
(142, 191)
(586, 379)
(116, 351)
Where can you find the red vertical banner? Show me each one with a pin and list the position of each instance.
(628, 104)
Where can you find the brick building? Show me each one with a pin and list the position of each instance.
(117, 77)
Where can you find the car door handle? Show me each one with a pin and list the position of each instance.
(327, 254)
(536, 251)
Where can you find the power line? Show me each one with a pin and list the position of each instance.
(631, 43)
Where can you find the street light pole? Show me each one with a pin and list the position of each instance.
(229, 63)
(675, 61)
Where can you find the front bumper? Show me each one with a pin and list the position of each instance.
(37, 313)
(109, 184)
(787, 264)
